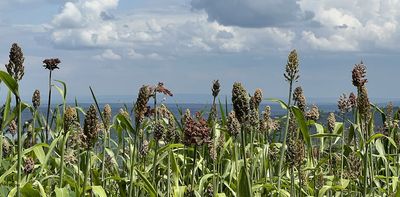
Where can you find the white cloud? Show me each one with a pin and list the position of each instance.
(81, 24)
(108, 54)
(362, 25)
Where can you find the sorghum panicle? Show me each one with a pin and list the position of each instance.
(344, 104)
(313, 113)
(29, 165)
(295, 151)
(215, 88)
(12, 127)
(141, 103)
(36, 99)
(161, 89)
(352, 100)
(70, 118)
(292, 67)
(240, 101)
(51, 64)
(107, 115)
(363, 103)
(233, 124)
(331, 122)
(358, 75)
(196, 132)
(6, 147)
(144, 149)
(15, 66)
(90, 128)
(299, 98)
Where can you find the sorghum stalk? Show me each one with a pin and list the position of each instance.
(18, 103)
(194, 165)
(15, 69)
(49, 64)
(156, 145)
(283, 148)
(106, 118)
(291, 75)
(87, 169)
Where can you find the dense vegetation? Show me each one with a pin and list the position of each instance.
(146, 150)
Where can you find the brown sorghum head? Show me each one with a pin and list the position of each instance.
(51, 64)
(6, 147)
(240, 101)
(107, 115)
(70, 118)
(363, 103)
(159, 130)
(358, 75)
(90, 128)
(344, 104)
(196, 131)
(292, 67)
(12, 127)
(389, 111)
(354, 166)
(70, 158)
(166, 116)
(29, 165)
(295, 152)
(144, 149)
(15, 66)
(331, 122)
(352, 100)
(145, 93)
(299, 98)
(313, 113)
(256, 99)
(212, 151)
(161, 89)
(233, 124)
(36, 99)
(215, 88)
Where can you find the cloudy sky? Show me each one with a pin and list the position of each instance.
(118, 45)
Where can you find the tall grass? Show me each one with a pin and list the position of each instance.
(212, 152)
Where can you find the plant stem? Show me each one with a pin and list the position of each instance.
(169, 174)
(194, 165)
(48, 110)
(63, 142)
(342, 155)
(104, 157)
(19, 166)
(87, 169)
(283, 148)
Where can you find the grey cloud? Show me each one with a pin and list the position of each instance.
(254, 13)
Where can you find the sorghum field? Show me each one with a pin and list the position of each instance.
(146, 150)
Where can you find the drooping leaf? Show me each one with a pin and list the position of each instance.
(9, 82)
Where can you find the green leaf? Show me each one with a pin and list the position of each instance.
(62, 192)
(244, 183)
(301, 122)
(28, 190)
(127, 123)
(203, 180)
(99, 191)
(6, 109)
(39, 154)
(373, 137)
(49, 153)
(283, 104)
(147, 185)
(10, 82)
(64, 90)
